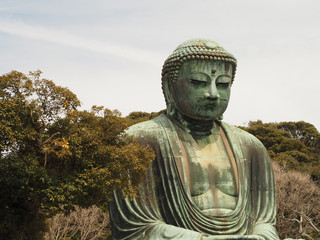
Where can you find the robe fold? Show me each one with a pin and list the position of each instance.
(164, 208)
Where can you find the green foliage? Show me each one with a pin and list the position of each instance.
(100, 157)
(295, 145)
(136, 117)
(21, 189)
(54, 156)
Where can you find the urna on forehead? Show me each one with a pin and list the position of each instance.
(195, 49)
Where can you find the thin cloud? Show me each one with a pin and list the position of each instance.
(22, 29)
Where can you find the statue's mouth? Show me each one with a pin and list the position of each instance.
(211, 104)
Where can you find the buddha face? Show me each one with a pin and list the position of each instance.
(202, 89)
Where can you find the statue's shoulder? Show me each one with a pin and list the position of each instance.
(148, 131)
(229, 128)
(237, 133)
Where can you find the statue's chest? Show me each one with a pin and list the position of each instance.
(210, 168)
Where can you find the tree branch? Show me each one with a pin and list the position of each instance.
(49, 139)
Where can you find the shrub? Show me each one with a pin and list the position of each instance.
(298, 204)
(81, 223)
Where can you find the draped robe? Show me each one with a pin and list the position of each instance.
(164, 208)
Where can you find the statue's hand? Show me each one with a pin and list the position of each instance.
(293, 239)
(234, 237)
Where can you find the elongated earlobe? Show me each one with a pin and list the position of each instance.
(171, 109)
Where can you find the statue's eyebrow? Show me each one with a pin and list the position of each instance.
(223, 75)
(202, 73)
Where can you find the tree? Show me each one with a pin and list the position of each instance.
(302, 131)
(295, 145)
(54, 156)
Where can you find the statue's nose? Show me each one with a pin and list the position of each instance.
(212, 91)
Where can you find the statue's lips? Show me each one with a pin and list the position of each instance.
(210, 104)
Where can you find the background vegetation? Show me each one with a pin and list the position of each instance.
(59, 165)
(54, 156)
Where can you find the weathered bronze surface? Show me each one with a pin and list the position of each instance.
(210, 180)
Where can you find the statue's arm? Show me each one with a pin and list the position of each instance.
(264, 193)
(266, 230)
(234, 237)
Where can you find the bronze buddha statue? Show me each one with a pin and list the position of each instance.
(210, 180)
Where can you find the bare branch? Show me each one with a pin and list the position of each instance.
(50, 138)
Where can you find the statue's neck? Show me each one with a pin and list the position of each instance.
(195, 127)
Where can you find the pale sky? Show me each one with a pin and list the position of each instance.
(111, 53)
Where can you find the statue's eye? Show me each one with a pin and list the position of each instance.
(223, 84)
(223, 81)
(198, 83)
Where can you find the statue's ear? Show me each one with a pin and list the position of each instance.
(167, 91)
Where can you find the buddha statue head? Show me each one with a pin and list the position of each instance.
(196, 80)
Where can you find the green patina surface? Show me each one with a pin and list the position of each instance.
(209, 180)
